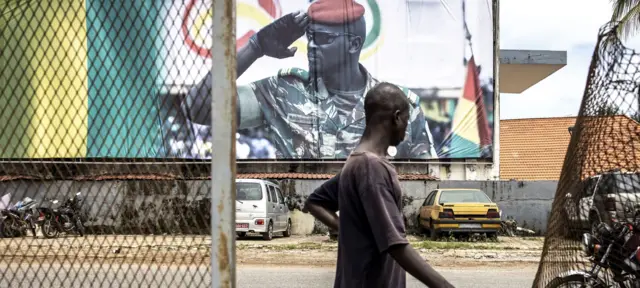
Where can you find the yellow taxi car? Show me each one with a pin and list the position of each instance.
(459, 211)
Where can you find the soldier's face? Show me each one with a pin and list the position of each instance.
(330, 47)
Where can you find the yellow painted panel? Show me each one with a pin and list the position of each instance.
(59, 123)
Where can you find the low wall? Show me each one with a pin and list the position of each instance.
(181, 206)
(529, 203)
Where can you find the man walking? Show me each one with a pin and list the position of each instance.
(372, 249)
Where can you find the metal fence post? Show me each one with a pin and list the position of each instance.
(223, 166)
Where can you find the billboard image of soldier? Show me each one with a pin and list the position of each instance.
(303, 70)
(319, 112)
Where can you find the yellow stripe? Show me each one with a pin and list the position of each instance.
(465, 120)
(59, 125)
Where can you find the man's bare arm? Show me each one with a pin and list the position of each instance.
(411, 261)
(323, 203)
(327, 217)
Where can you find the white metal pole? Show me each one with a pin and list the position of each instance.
(495, 173)
(223, 125)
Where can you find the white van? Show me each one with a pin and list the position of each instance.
(261, 208)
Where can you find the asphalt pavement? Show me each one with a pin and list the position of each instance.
(131, 275)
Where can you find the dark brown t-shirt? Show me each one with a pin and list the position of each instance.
(370, 221)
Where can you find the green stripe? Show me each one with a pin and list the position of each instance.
(123, 41)
(373, 35)
(16, 76)
(460, 147)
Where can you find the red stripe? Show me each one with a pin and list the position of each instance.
(187, 36)
(269, 6)
(472, 92)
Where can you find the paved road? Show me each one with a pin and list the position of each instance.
(123, 275)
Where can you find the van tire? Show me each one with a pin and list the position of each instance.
(269, 234)
(287, 233)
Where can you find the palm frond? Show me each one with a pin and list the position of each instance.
(622, 7)
(630, 22)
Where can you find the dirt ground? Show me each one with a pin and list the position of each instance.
(296, 250)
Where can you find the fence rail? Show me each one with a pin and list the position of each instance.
(92, 193)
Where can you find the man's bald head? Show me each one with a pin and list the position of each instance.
(382, 101)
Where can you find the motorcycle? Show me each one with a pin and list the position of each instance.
(17, 219)
(614, 251)
(64, 219)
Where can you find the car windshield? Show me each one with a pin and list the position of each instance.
(464, 196)
(248, 191)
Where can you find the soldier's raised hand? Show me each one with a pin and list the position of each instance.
(274, 39)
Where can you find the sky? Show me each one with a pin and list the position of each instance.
(569, 25)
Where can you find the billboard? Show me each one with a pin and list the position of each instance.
(130, 79)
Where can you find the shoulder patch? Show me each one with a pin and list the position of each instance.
(413, 98)
(294, 72)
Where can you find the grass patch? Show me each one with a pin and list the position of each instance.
(528, 238)
(283, 247)
(434, 245)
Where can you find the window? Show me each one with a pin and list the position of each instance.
(590, 186)
(272, 192)
(431, 197)
(463, 196)
(606, 185)
(280, 198)
(248, 191)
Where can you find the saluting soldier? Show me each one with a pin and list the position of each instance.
(315, 113)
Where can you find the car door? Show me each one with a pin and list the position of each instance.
(431, 204)
(422, 208)
(283, 215)
(586, 202)
(272, 206)
(425, 211)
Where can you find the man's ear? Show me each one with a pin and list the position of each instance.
(355, 44)
(396, 116)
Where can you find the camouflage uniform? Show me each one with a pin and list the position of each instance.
(302, 123)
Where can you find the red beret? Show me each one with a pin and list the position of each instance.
(335, 11)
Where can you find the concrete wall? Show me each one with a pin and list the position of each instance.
(131, 207)
(529, 203)
(163, 206)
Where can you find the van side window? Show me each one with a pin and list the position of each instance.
(280, 198)
(272, 192)
(268, 192)
(606, 185)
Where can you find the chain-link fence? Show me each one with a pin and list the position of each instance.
(598, 189)
(98, 185)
